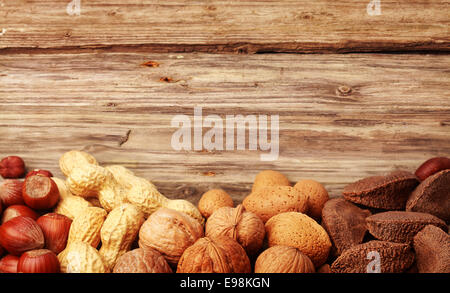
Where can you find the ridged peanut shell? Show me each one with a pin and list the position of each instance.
(62, 188)
(74, 159)
(299, 231)
(86, 226)
(111, 195)
(144, 195)
(283, 259)
(80, 257)
(221, 254)
(119, 231)
(269, 201)
(87, 180)
(142, 261)
(169, 232)
(244, 227)
(71, 206)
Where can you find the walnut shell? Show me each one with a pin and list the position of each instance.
(170, 233)
(212, 200)
(221, 254)
(244, 227)
(142, 260)
(283, 259)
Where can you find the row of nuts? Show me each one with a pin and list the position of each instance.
(118, 222)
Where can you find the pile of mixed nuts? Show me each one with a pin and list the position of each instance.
(103, 219)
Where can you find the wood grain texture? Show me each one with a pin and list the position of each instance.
(396, 113)
(225, 26)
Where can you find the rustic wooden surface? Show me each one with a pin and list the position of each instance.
(77, 82)
(396, 115)
(226, 26)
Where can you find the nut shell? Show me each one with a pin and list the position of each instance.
(169, 232)
(12, 167)
(388, 192)
(141, 261)
(11, 193)
(432, 249)
(40, 192)
(73, 159)
(80, 257)
(270, 178)
(432, 196)
(214, 255)
(345, 223)
(119, 231)
(86, 227)
(42, 261)
(400, 226)
(21, 234)
(244, 227)
(212, 200)
(269, 201)
(432, 166)
(299, 231)
(317, 196)
(394, 258)
(283, 259)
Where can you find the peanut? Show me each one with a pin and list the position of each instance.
(115, 185)
(86, 226)
(93, 180)
(72, 159)
(69, 205)
(72, 206)
(119, 231)
(144, 194)
(62, 187)
(80, 257)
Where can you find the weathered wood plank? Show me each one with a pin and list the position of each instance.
(225, 26)
(394, 113)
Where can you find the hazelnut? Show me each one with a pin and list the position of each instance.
(169, 232)
(213, 200)
(283, 259)
(300, 231)
(12, 167)
(270, 178)
(221, 254)
(269, 201)
(142, 260)
(244, 227)
(317, 196)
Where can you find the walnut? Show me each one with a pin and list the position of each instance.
(244, 227)
(221, 254)
(169, 232)
(142, 260)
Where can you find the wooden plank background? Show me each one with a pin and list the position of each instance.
(77, 82)
(227, 26)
